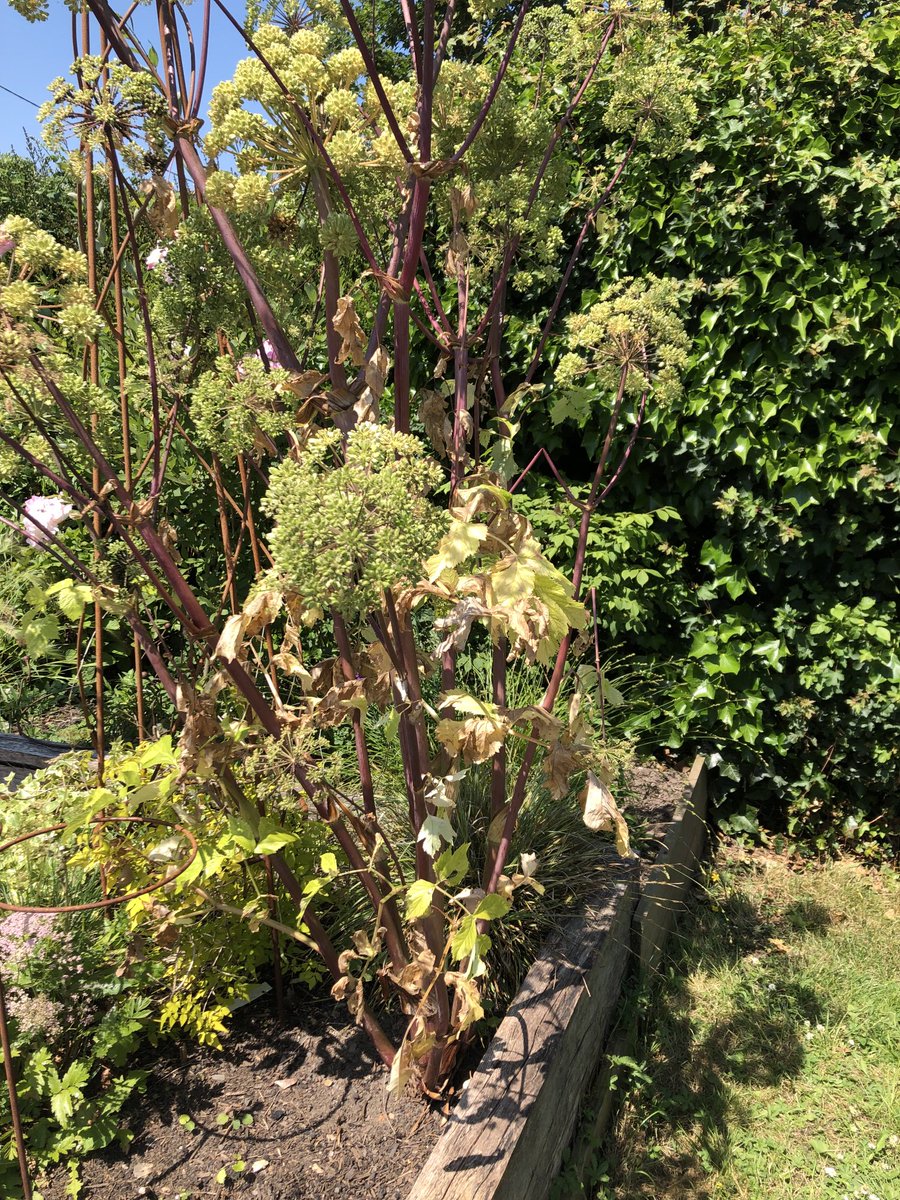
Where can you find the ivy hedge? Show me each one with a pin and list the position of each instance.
(759, 558)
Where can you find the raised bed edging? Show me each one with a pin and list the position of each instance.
(20, 755)
(505, 1138)
(664, 892)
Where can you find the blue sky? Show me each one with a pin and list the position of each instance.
(32, 55)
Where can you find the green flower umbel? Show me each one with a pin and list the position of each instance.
(349, 525)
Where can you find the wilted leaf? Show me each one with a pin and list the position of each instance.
(457, 624)
(462, 540)
(435, 416)
(602, 814)
(261, 611)
(457, 253)
(477, 739)
(231, 637)
(433, 831)
(304, 383)
(376, 372)
(497, 825)
(560, 764)
(470, 1009)
(462, 202)
(163, 211)
(346, 323)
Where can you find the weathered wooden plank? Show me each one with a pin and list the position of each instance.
(664, 892)
(19, 751)
(505, 1139)
(662, 900)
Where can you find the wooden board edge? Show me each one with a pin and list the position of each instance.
(485, 1182)
(674, 871)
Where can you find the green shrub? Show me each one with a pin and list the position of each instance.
(779, 458)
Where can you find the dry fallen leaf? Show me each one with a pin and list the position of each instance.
(779, 945)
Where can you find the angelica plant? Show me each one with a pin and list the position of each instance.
(329, 270)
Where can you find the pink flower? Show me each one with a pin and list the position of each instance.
(6, 244)
(48, 513)
(156, 257)
(271, 353)
(271, 358)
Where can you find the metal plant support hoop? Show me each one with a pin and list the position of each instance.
(108, 903)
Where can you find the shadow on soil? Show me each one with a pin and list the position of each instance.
(678, 1074)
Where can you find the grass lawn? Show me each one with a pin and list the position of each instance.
(766, 1062)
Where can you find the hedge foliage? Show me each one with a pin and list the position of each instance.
(771, 587)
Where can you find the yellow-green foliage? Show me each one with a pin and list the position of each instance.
(107, 103)
(636, 326)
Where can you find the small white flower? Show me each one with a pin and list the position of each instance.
(808, 1036)
(871, 1145)
(820, 1029)
(771, 987)
(830, 1172)
(156, 257)
(48, 513)
(850, 1042)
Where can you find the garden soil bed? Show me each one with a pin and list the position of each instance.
(653, 791)
(333, 1132)
(322, 1119)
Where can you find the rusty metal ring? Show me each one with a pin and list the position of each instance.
(108, 903)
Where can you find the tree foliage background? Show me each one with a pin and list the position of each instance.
(759, 560)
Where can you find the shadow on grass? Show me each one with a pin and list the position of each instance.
(676, 1127)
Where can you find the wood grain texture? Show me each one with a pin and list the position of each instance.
(19, 755)
(665, 890)
(21, 751)
(505, 1139)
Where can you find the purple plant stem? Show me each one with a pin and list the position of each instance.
(374, 77)
(200, 79)
(573, 258)
(444, 37)
(242, 263)
(326, 949)
(332, 278)
(314, 137)
(408, 8)
(348, 669)
(542, 453)
(561, 125)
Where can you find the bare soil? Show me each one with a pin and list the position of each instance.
(323, 1126)
(323, 1123)
(653, 791)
